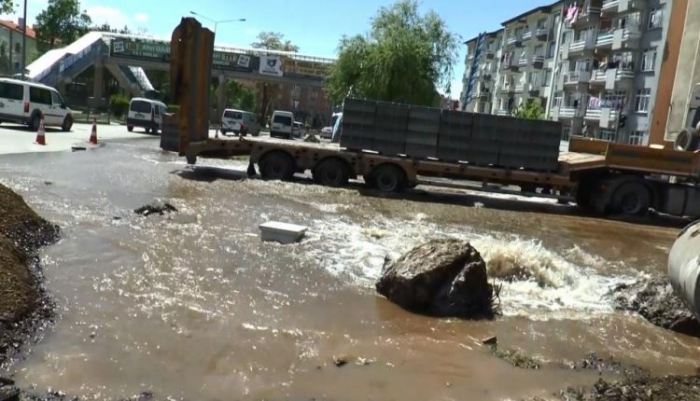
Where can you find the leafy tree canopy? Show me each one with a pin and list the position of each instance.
(531, 110)
(405, 57)
(274, 41)
(61, 22)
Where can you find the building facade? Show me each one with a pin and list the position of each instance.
(594, 65)
(11, 46)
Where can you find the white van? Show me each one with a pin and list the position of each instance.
(25, 102)
(145, 113)
(282, 124)
(239, 122)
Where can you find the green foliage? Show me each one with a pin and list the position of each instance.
(274, 41)
(173, 108)
(405, 57)
(108, 28)
(239, 96)
(61, 22)
(7, 7)
(531, 110)
(118, 104)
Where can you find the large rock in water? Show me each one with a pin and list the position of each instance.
(444, 278)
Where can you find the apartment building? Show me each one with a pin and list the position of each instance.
(480, 75)
(592, 64)
(610, 55)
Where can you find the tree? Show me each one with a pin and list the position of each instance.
(61, 22)
(405, 57)
(239, 96)
(270, 41)
(5, 66)
(7, 7)
(531, 110)
(274, 41)
(108, 28)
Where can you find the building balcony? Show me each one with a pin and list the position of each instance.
(582, 46)
(527, 35)
(537, 61)
(542, 33)
(524, 62)
(489, 54)
(514, 41)
(592, 115)
(512, 66)
(626, 39)
(613, 79)
(502, 112)
(609, 118)
(566, 112)
(614, 7)
(577, 77)
(588, 15)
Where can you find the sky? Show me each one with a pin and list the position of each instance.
(315, 26)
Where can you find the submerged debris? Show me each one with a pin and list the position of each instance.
(655, 300)
(155, 207)
(639, 388)
(517, 358)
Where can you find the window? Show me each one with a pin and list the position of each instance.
(18, 48)
(565, 133)
(607, 135)
(551, 47)
(641, 104)
(565, 38)
(39, 95)
(637, 138)
(56, 99)
(11, 91)
(139, 106)
(616, 100)
(649, 59)
(284, 120)
(547, 77)
(655, 18)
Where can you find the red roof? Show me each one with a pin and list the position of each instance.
(31, 33)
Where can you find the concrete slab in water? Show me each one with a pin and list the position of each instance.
(283, 233)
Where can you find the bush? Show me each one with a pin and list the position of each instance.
(173, 108)
(118, 105)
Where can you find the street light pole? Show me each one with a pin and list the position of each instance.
(24, 40)
(216, 23)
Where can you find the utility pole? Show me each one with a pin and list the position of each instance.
(24, 40)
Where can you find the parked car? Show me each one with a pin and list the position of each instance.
(25, 102)
(327, 132)
(239, 122)
(145, 113)
(297, 129)
(282, 123)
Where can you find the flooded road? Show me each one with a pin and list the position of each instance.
(193, 305)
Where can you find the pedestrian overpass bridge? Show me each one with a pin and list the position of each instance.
(126, 57)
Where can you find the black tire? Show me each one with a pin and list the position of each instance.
(154, 130)
(223, 132)
(34, 122)
(632, 199)
(148, 130)
(332, 173)
(684, 140)
(277, 166)
(67, 124)
(389, 178)
(130, 128)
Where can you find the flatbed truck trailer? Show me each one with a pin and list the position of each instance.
(600, 176)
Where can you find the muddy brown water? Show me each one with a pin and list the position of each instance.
(193, 305)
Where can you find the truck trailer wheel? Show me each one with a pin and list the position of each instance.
(277, 166)
(688, 139)
(332, 173)
(632, 199)
(389, 178)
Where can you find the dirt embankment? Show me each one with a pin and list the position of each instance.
(22, 301)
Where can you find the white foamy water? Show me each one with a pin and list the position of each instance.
(535, 281)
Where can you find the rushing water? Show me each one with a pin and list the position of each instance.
(194, 305)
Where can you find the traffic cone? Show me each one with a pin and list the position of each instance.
(93, 133)
(41, 133)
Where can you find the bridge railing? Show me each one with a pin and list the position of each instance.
(137, 76)
(77, 63)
